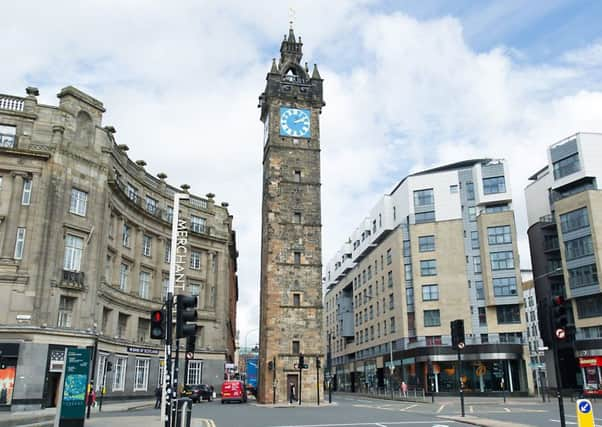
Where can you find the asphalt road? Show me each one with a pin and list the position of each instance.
(357, 411)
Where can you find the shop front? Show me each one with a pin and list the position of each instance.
(9, 356)
(590, 372)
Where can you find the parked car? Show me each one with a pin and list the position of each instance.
(198, 392)
(234, 391)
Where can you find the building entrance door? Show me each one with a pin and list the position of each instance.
(292, 384)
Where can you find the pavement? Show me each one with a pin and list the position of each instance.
(45, 417)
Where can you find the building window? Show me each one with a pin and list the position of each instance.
(122, 325)
(132, 192)
(566, 166)
(296, 347)
(124, 272)
(508, 313)
(583, 276)
(120, 367)
(197, 224)
(424, 197)
(482, 316)
(145, 281)
(125, 236)
(212, 296)
(389, 257)
(151, 205)
(428, 267)
(79, 202)
(422, 217)
(476, 263)
(484, 338)
(391, 301)
(296, 217)
(433, 340)
(169, 214)
(578, 248)
(106, 316)
(511, 337)
(432, 318)
(143, 329)
(426, 243)
(499, 235)
(20, 243)
(66, 305)
(141, 376)
(504, 287)
(195, 289)
(574, 220)
(73, 252)
(430, 293)
(472, 213)
(147, 245)
(497, 208)
(590, 306)
(469, 190)
(194, 371)
(478, 284)
(297, 175)
(26, 197)
(296, 299)
(297, 258)
(7, 136)
(407, 272)
(474, 240)
(394, 213)
(195, 260)
(167, 252)
(165, 287)
(390, 279)
(392, 325)
(502, 260)
(494, 185)
(409, 297)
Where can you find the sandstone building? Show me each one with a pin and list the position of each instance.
(85, 250)
(441, 246)
(291, 293)
(564, 205)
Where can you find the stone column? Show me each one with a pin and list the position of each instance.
(10, 228)
(157, 253)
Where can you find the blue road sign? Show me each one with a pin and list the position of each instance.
(585, 407)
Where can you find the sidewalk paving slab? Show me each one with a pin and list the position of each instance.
(478, 421)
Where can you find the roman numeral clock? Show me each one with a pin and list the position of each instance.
(291, 239)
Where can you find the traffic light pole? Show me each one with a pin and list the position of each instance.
(318, 377)
(329, 363)
(300, 381)
(460, 381)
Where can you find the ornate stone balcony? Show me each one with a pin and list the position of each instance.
(73, 280)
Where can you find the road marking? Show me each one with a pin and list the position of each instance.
(471, 409)
(383, 424)
(380, 425)
(409, 407)
(441, 408)
(567, 422)
(507, 410)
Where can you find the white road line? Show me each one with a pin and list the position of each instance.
(380, 425)
(408, 407)
(383, 424)
(471, 409)
(568, 422)
(507, 410)
(441, 408)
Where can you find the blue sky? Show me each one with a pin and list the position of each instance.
(408, 85)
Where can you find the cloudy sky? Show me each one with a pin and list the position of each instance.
(408, 85)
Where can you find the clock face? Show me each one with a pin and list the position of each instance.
(295, 122)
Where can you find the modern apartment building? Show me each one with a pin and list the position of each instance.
(534, 341)
(85, 251)
(441, 246)
(563, 206)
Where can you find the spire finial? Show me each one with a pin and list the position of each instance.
(291, 16)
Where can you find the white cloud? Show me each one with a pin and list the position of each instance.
(180, 84)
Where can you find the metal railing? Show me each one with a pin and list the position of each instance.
(412, 394)
(73, 278)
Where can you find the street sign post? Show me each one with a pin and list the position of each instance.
(72, 405)
(585, 413)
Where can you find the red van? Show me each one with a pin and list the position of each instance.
(233, 391)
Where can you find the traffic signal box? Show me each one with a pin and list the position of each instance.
(457, 333)
(186, 315)
(157, 329)
(190, 344)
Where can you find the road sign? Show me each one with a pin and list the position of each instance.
(190, 355)
(585, 413)
(560, 333)
(460, 345)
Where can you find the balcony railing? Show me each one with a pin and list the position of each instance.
(73, 279)
(547, 219)
(13, 103)
(134, 198)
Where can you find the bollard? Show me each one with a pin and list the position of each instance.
(183, 412)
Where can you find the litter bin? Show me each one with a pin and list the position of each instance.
(183, 409)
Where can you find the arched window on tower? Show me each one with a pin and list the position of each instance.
(85, 129)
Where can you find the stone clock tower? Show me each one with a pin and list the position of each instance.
(291, 241)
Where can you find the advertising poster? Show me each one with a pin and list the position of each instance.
(7, 384)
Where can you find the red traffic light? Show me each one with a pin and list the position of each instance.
(157, 316)
(558, 300)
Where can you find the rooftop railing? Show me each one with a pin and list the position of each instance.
(13, 103)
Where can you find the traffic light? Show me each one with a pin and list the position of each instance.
(185, 313)
(301, 361)
(190, 343)
(318, 363)
(157, 330)
(560, 318)
(457, 333)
